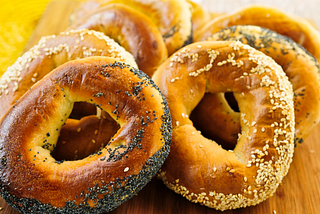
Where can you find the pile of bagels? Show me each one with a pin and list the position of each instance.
(213, 105)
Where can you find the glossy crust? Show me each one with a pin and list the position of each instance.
(172, 17)
(132, 29)
(50, 52)
(298, 29)
(301, 68)
(197, 167)
(102, 181)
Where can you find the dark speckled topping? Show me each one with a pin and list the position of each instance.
(106, 195)
(299, 65)
(266, 39)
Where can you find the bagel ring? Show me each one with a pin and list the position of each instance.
(132, 29)
(50, 52)
(103, 180)
(173, 18)
(197, 167)
(298, 29)
(301, 68)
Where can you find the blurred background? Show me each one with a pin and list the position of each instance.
(18, 19)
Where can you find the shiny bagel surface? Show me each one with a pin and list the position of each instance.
(33, 181)
(172, 17)
(300, 66)
(200, 169)
(132, 29)
(50, 52)
(298, 29)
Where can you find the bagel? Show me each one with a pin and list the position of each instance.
(172, 17)
(298, 29)
(104, 180)
(132, 30)
(50, 52)
(301, 68)
(200, 169)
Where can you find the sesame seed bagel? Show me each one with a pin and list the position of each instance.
(298, 29)
(172, 17)
(32, 180)
(301, 68)
(49, 53)
(132, 29)
(200, 169)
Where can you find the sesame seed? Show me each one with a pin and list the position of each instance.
(268, 170)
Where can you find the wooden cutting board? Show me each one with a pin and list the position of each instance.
(299, 193)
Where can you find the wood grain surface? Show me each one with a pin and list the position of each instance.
(299, 193)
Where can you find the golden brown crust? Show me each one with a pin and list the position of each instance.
(198, 168)
(298, 29)
(97, 183)
(301, 68)
(132, 30)
(173, 18)
(50, 52)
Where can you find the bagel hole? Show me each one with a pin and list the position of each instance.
(82, 109)
(84, 133)
(215, 127)
(229, 96)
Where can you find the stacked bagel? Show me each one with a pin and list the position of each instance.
(134, 89)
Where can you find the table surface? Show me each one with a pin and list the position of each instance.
(298, 193)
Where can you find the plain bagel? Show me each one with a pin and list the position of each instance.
(104, 180)
(132, 29)
(200, 169)
(172, 17)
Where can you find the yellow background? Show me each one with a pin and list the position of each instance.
(18, 19)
